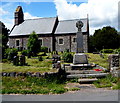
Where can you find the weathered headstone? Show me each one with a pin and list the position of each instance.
(45, 74)
(22, 60)
(58, 65)
(79, 39)
(16, 60)
(80, 58)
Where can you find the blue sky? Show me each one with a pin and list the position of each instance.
(100, 13)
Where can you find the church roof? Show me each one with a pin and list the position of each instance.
(39, 25)
(69, 26)
(46, 26)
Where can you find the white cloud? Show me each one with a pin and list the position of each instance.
(9, 23)
(3, 12)
(29, 16)
(101, 13)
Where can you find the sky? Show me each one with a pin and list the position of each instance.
(100, 13)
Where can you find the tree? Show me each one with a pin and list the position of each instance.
(33, 44)
(4, 38)
(107, 38)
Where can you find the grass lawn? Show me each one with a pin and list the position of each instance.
(108, 81)
(32, 85)
(34, 65)
(95, 58)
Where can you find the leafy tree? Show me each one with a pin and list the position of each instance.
(33, 44)
(3, 38)
(107, 38)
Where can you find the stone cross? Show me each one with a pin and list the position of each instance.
(79, 25)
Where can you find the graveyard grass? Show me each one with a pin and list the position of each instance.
(109, 81)
(34, 65)
(32, 85)
(95, 58)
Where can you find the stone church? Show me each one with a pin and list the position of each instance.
(57, 35)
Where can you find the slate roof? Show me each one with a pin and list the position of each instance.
(69, 26)
(46, 25)
(39, 25)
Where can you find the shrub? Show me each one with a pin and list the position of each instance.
(40, 58)
(44, 49)
(33, 44)
(24, 52)
(107, 50)
(67, 57)
(116, 51)
(10, 53)
(5, 61)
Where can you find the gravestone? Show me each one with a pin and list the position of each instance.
(80, 58)
(16, 60)
(79, 39)
(22, 60)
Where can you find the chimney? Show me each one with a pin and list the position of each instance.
(19, 16)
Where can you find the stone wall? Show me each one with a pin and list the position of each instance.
(22, 42)
(69, 44)
(28, 74)
(65, 45)
(114, 64)
(47, 42)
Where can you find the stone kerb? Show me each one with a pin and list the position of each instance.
(28, 74)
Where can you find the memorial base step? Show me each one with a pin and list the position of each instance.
(87, 80)
(98, 75)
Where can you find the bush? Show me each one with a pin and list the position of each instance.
(67, 57)
(107, 50)
(10, 53)
(33, 44)
(5, 61)
(116, 51)
(24, 52)
(40, 58)
(44, 49)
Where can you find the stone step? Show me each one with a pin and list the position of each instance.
(83, 72)
(85, 80)
(98, 75)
